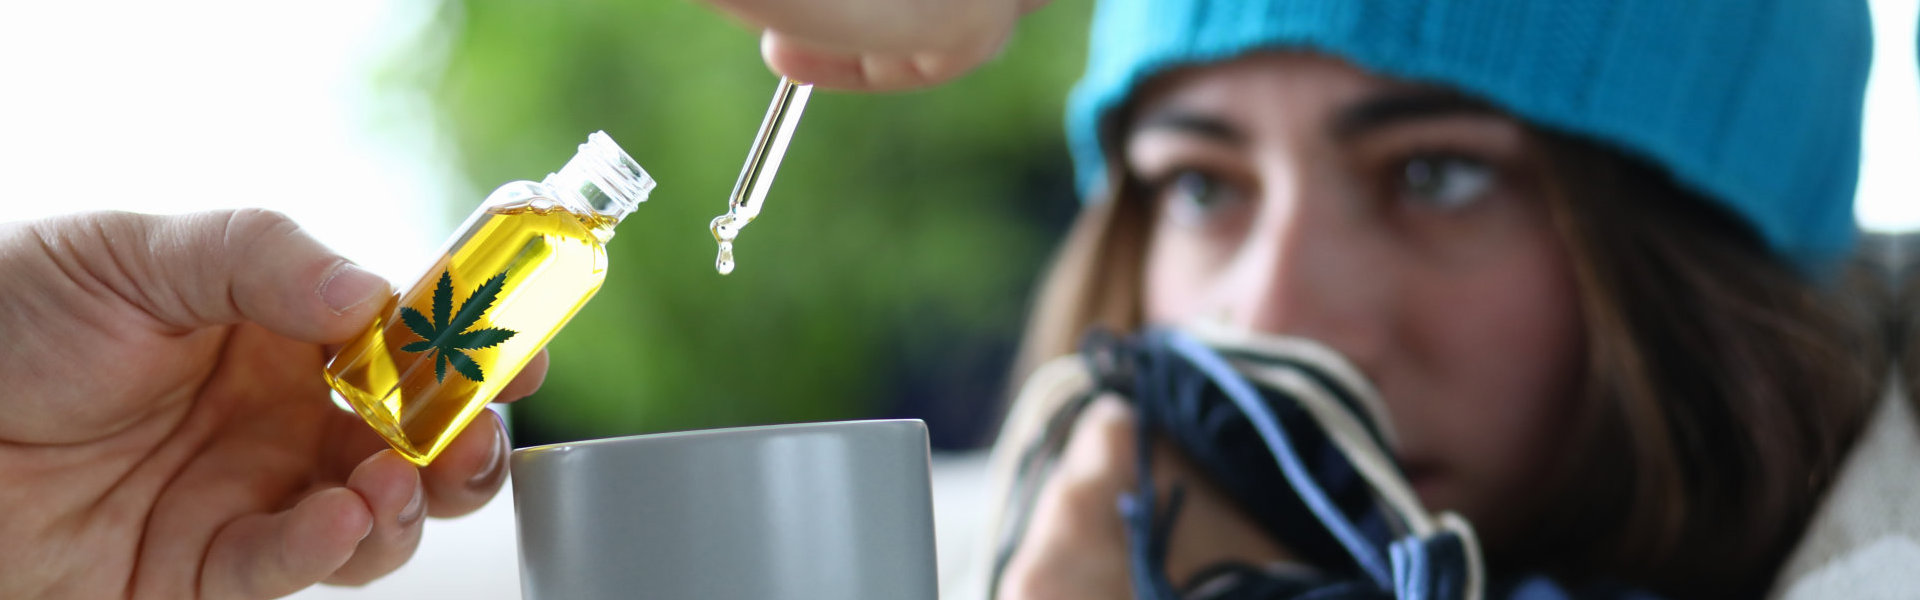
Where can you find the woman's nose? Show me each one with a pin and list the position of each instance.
(1309, 267)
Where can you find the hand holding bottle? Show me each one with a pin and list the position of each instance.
(878, 45)
(165, 433)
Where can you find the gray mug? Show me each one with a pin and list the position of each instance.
(818, 511)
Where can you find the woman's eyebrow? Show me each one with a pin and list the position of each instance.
(1391, 108)
(1190, 123)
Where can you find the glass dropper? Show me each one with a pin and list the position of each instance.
(763, 161)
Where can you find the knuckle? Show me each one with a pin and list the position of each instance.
(1109, 418)
(1103, 440)
(110, 251)
(244, 228)
(89, 232)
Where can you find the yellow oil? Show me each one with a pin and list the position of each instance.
(553, 261)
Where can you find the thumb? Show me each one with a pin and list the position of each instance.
(224, 267)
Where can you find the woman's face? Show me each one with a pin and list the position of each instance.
(1400, 224)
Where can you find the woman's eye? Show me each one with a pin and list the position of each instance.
(1444, 182)
(1197, 195)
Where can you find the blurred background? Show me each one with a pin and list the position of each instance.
(888, 276)
(890, 268)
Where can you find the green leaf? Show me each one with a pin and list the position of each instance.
(441, 336)
(419, 324)
(464, 365)
(482, 338)
(442, 296)
(475, 305)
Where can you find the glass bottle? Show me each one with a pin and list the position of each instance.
(523, 263)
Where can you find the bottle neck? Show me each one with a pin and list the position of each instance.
(601, 178)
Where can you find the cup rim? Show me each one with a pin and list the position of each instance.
(701, 433)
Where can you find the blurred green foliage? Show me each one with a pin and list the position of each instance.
(891, 267)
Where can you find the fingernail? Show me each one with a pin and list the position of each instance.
(415, 508)
(485, 479)
(349, 286)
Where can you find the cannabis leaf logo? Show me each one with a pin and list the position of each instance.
(445, 339)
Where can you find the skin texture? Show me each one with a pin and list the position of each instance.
(1075, 546)
(167, 431)
(878, 45)
(1403, 226)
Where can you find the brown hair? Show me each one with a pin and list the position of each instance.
(1722, 386)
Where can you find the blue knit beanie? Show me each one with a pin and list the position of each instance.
(1754, 104)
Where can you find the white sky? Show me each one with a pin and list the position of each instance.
(177, 106)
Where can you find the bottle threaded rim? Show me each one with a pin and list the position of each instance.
(606, 176)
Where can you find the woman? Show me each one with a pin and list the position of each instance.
(1608, 376)
(1581, 248)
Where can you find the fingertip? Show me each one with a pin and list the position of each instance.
(397, 505)
(800, 62)
(346, 298)
(1106, 412)
(1102, 440)
(334, 520)
(387, 482)
(830, 68)
(349, 289)
(470, 471)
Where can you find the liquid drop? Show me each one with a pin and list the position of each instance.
(724, 264)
